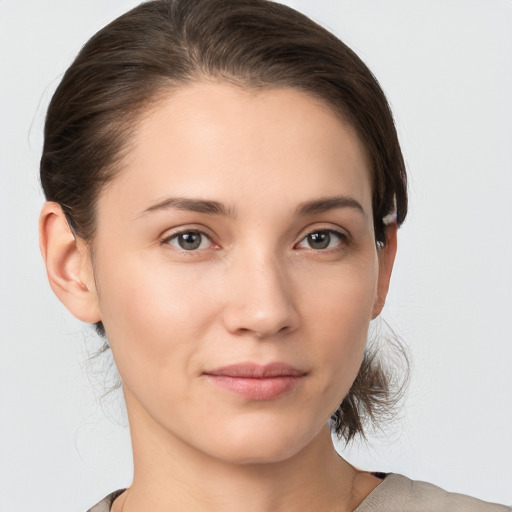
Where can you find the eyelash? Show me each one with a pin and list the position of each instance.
(343, 240)
(168, 240)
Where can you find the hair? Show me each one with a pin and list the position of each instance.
(161, 45)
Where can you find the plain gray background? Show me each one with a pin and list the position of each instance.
(446, 68)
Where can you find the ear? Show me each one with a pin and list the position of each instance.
(68, 264)
(386, 260)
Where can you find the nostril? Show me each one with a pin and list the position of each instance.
(262, 334)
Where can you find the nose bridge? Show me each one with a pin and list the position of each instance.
(260, 300)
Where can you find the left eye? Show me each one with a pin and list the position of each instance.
(189, 240)
(322, 239)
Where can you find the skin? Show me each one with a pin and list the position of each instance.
(257, 289)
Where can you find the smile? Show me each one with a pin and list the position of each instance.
(257, 382)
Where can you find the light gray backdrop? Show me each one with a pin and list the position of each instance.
(446, 67)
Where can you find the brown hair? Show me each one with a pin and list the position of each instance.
(164, 44)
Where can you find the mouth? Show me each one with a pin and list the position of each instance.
(257, 382)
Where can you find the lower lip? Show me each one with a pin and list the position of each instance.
(266, 388)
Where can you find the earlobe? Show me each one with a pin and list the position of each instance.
(386, 260)
(68, 264)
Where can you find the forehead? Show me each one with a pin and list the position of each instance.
(222, 141)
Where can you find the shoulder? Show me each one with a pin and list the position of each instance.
(398, 493)
(105, 504)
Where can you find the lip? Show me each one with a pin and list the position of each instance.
(256, 382)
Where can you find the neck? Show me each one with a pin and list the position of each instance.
(172, 475)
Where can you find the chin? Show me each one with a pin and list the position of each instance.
(257, 454)
(261, 444)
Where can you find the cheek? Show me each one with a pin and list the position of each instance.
(155, 317)
(337, 317)
(340, 298)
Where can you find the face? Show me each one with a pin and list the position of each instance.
(236, 270)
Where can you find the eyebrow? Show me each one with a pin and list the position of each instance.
(313, 207)
(328, 203)
(193, 205)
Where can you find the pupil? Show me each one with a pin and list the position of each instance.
(319, 240)
(189, 241)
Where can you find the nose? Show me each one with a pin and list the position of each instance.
(260, 300)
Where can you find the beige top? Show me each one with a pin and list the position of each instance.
(396, 493)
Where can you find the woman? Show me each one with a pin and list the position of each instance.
(224, 187)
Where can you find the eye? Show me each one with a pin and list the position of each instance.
(322, 239)
(189, 240)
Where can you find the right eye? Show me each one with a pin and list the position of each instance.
(189, 240)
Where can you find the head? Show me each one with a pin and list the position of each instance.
(224, 64)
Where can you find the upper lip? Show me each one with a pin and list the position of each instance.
(257, 371)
